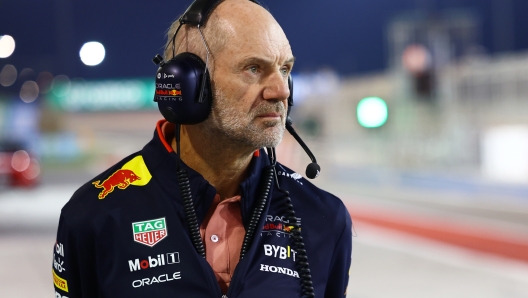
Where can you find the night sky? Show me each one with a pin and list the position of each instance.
(347, 36)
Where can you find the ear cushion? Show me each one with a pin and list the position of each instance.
(178, 90)
(290, 98)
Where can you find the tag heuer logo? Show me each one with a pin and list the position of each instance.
(150, 232)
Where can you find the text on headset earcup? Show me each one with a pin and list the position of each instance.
(178, 88)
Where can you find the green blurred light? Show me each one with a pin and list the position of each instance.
(372, 112)
(107, 95)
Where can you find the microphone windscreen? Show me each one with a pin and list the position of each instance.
(313, 170)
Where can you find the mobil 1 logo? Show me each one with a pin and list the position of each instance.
(150, 232)
(156, 261)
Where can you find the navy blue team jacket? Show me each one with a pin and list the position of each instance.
(123, 234)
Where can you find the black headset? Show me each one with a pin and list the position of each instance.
(183, 85)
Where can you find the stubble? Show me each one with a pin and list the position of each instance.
(244, 129)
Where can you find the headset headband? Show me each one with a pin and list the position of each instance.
(200, 10)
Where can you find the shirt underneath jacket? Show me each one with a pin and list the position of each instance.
(222, 230)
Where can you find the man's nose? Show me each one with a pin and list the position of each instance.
(276, 87)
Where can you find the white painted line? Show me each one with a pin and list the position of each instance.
(442, 253)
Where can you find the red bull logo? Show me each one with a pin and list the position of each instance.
(278, 227)
(120, 179)
(134, 172)
(172, 92)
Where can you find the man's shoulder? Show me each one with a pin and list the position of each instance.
(104, 191)
(307, 193)
(323, 215)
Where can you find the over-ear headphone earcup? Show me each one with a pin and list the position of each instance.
(179, 90)
(290, 98)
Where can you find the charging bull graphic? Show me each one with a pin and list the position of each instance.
(134, 172)
(288, 228)
(174, 92)
(121, 179)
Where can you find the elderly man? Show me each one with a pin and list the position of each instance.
(130, 233)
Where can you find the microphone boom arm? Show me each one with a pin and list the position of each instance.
(313, 169)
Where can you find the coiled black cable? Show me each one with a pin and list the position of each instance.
(266, 181)
(190, 212)
(301, 264)
(188, 206)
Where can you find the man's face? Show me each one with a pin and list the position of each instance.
(250, 83)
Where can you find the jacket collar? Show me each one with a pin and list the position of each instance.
(162, 161)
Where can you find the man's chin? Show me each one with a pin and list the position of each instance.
(271, 137)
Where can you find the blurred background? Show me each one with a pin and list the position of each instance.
(417, 111)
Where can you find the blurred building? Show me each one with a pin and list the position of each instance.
(451, 107)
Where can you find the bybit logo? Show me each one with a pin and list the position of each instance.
(280, 252)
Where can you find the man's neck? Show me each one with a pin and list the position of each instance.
(221, 163)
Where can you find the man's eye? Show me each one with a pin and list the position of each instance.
(253, 69)
(285, 71)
